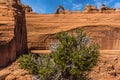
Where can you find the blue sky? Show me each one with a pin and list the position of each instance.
(49, 6)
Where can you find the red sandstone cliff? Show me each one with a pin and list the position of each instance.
(103, 28)
(13, 34)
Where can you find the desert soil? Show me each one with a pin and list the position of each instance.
(108, 68)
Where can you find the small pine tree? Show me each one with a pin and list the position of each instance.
(28, 62)
(73, 58)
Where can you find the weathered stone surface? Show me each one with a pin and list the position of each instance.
(13, 72)
(102, 28)
(13, 34)
(106, 9)
(4, 74)
(90, 8)
(18, 74)
(58, 10)
(108, 37)
(68, 12)
(27, 8)
(76, 12)
(108, 67)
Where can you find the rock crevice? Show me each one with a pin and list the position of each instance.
(14, 41)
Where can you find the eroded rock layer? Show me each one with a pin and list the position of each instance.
(108, 37)
(103, 28)
(13, 34)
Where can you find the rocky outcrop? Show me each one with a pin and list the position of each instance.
(106, 9)
(13, 34)
(108, 37)
(68, 12)
(76, 12)
(102, 28)
(27, 8)
(90, 8)
(58, 10)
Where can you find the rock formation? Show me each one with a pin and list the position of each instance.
(89, 8)
(58, 10)
(68, 12)
(76, 12)
(27, 8)
(106, 9)
(102, 28)
(13, 34)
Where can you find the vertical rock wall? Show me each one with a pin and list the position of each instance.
(20, 29)
(108, 37)
(17, 44)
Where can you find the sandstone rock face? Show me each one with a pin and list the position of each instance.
(106, 9)
(27, 9)
(68, 12)
(13, 34)
(108, 37)
(90, 8)
(76, 12)
(58, 10)
(102, 28)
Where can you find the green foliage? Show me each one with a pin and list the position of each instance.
(73, 59)
(28, 62)
(46, 67)
(75, 55)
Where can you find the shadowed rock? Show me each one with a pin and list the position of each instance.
(106, 9)
(58, 10)
(13, 37)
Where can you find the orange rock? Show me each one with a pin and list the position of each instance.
(103, 28)
(13, 34)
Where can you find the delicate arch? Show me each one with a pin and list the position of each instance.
(58, 9)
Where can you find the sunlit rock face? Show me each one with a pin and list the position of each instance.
(13, 34)
(103, 28)
(106, 36)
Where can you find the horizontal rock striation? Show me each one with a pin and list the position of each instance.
(13, 34)
(103, 28)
